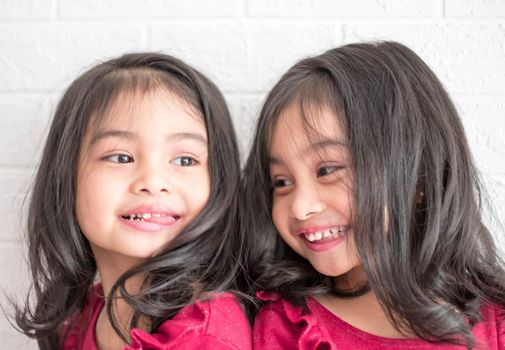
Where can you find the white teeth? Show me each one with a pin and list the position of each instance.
(142, 216)
(334, 232)
(134, 217)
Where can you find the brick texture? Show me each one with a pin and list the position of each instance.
(343, 8)
(244, 46)
(475, 8)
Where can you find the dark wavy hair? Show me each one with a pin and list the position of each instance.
(203, 257)
(435, 264)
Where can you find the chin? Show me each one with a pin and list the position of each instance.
(329, 271)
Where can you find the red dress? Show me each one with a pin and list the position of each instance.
(280, 325)
(219, 323)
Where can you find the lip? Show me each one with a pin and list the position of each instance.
(323, 245)
(157, 218)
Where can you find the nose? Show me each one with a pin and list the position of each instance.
(151, 179)
(307, 201)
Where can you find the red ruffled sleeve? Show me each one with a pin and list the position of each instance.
(280, 325)
(219, 323)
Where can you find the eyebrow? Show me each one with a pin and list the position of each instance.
(125, 134)
(314, 147)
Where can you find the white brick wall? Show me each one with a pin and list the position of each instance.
(244, 45)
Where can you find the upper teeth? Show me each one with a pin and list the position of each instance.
(330, 232)
(142, 216)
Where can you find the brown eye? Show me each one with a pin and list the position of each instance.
(280, 183)
(119, 158)
(327, 170)
(184, 161)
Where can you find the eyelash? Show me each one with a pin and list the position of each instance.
(118, 157)
(281, 183)
(333, 168)
(183, 161)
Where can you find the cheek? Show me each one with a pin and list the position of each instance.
(87, 210)
(198, 191)
(280, 214)
(97, 194)
(339, 198)
(83, 200)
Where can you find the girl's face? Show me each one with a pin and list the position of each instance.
(142, 176)
(312, 196)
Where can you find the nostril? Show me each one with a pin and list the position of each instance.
(147, 190)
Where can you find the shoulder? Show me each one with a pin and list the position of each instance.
(225, 320)
(282, 325)
(216, 323)
(493, 315)
(279, 308)
(490, 331)
(493, 322)
(274, 306)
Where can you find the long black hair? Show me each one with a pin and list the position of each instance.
(203, 257)
(434, 264)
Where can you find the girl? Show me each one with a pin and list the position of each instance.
(377, 240)
(137, 187)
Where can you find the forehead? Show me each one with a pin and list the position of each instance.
(300, 127)
(145, 115)
(134, 107)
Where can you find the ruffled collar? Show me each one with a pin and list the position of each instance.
(190, 321)
(312, 337)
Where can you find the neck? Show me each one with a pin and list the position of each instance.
(365, 313)
(353, 280)
(362, 311)
(110, 268)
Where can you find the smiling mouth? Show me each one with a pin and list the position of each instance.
(328, 234)
(149, 216)
(153, 218)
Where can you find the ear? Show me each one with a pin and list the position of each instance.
(419, 197)
(420, 193)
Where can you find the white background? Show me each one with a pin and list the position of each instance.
(244, 46)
